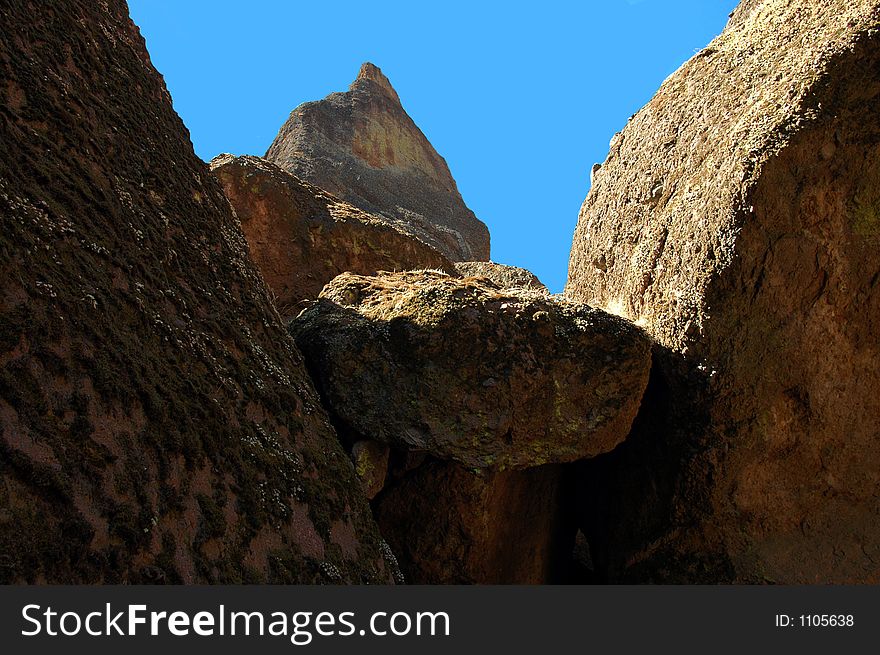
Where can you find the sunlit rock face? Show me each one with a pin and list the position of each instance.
(736, 219)
(362, 147)
(505, 276)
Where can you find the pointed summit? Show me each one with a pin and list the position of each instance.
(362, 147)
(371, 76)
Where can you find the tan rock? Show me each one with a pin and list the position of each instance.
(371, 465)
(503, 275)
(466, 370)
(301, 237)
(736, 218)
(362, 147)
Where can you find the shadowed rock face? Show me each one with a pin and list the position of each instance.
(736, 218)
(156, 422)
(466, 370)
(301, 237)
(453, 525)
(501, 274)
(362, 147)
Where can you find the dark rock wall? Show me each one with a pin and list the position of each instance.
(156, 422)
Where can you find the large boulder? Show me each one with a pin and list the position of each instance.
(362, 147)
(301, 237)
(466, 370)
(503, 275)
(156, 421)
(736, 219)
(482, 392)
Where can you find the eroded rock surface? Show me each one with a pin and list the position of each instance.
(362, 147)
(156, 421)
(466, 370)
(736, 218)
(301, 237)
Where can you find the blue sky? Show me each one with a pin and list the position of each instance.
(521, 98)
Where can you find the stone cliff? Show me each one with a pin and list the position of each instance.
(156, 420)
(736, 219)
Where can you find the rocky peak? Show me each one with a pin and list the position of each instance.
(371, 79)
(362, 147)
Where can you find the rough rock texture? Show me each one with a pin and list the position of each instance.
(362, 146)
(371, 464)
(737, 218)
(451, 525)
(301, 237)
(501, 274)
(156, 422)
(466, 370)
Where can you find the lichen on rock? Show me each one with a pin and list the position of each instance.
(156, 420)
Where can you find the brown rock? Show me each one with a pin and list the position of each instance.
(736, 218)
(451, 525)
(156, 422)
(362, 147)
(466, 370)
(504, 276)
(301, 237)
